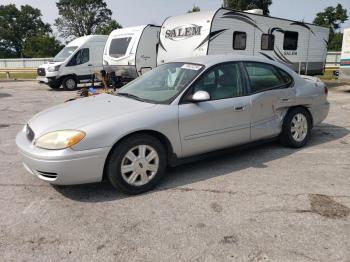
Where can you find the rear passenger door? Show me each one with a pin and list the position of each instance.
(271, 95)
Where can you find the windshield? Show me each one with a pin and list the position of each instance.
(64, 53)
(163, 83)
(119, 46)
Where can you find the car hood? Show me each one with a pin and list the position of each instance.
(46, 66)
(81, 112)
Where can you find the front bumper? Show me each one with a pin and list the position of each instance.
(62, 167)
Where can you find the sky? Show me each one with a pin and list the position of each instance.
(138, 12)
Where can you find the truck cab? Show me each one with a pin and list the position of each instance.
(75, 63)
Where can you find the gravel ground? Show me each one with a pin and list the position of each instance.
(267, 203)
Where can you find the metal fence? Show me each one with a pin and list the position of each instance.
(332, 60)
(23, 62)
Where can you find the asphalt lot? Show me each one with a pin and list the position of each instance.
(267, 203)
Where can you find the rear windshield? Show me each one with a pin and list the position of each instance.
(119, 46)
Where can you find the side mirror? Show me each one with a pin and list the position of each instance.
(200, 96)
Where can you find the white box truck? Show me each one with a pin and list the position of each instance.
(75, 63)
(301, 46)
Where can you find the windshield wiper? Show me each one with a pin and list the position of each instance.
(130, 96)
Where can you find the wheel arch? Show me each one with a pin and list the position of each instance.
(171, 156)
(307, 110)
(72, 75)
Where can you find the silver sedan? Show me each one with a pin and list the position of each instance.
(176, 111)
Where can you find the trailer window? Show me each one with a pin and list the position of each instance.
(239, 40)
(290, 41)
(267, 42)
(119, 46)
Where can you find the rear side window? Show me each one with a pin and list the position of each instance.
(267, 42)
(264, 77)
(239, 40)
(119, 46)
(290, 41)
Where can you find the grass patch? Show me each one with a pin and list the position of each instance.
(26, 75)
(328, 75)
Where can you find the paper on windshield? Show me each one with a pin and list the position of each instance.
(191, 67)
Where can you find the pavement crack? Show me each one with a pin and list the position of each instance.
(190, 189)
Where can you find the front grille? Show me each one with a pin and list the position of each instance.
(30, 133)
(41, 71)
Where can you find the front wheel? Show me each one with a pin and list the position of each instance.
(296, 128)
(69, 83)
(137, 164)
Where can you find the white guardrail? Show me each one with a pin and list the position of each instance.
(23, 62)
(332, 60)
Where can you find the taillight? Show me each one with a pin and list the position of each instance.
(325, 90)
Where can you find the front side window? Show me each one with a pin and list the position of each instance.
(119, 46)
(267, 42)
(290, 41)
(239, 40)
(80, 57)
(264, 77)
(163, 83)
(223, 81)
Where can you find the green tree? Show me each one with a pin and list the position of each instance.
(333, 18)
(16, 26)
(194, 9)
(82, 17)
(242, 5)
(41, 46)
(107, 28)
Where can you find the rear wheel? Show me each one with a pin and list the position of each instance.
(137, 164)
(296, 128)
(69, 83)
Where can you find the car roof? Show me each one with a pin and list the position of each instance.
(210, 60)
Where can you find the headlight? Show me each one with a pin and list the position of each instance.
(59, 139)
(53, 68)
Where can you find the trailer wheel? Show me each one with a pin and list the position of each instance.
(69, 83)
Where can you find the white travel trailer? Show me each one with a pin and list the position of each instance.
(75, 63)
(344, 70)
(131, 51)
(300, 45)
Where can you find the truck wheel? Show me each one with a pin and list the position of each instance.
(137, 164)
(296, 128)
(69, 83)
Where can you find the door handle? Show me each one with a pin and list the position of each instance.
(285, 99)
(89, 64)
(239, 108)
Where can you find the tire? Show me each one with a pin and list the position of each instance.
(136, 178)
(296, 128)
(69, 83)
(55, 85)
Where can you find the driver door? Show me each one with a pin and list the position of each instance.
(221, 122)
